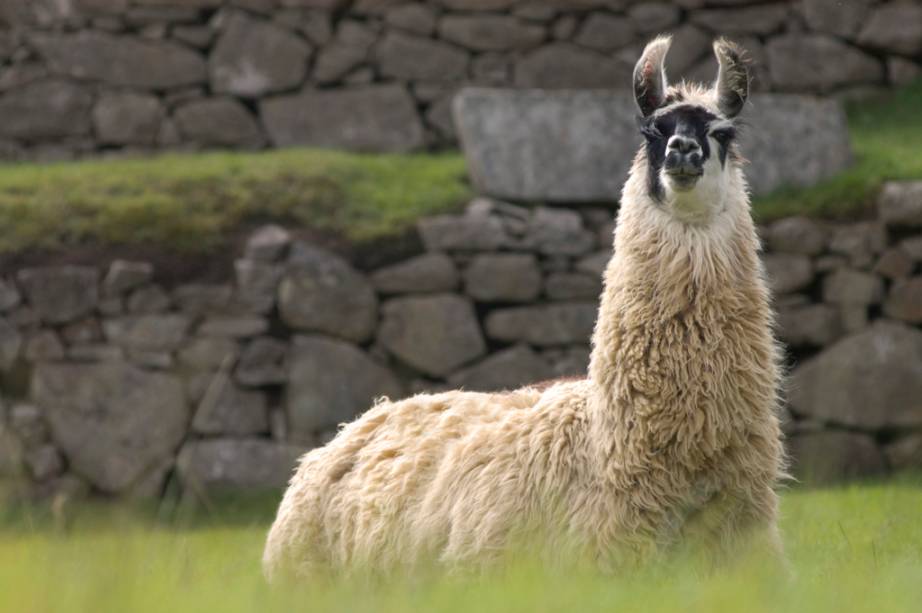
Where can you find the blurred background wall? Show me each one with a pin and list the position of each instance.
(80, 77)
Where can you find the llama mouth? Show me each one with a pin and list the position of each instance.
(683, 180)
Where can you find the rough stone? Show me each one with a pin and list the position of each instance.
(28, 423)
(227, 410)
(233, 327)
(554, 324)
(559, 232)
(813, 325)
(349, 49)
(901, 71)
(420, 59)
(797, 235)
(836, 17)
(689, 45)
(900, 204)
(649, 17)
(321, 292)
(267, 244)
(415, 18)
(434, 334)
(761, 20)
(148, 332)
(331, 382)
(566, 66)
(208, 353)
(894, 263)
(794, 141)
(859, 241)
(504, 370)
(124, 276)
(233, 464)
(46, 111)
(264, 361)
(9, 296)
(128, 119)
(367, 118)
(43, 345)
(467, 232)
(846, 286)
(490, 32)
(44, 462)
(817, 62)
(869, 380)
(788, 272)
(896, 27)
(422, 274)
(82, 331)
(113, 421)
(905, 301)
(218, 122)
(595, 264)
(905, 453)
(60, 293)
(604, 32)
(547, 146)
(149, 299)
(829, 457)
(201, 298)
(257, 284)
(503, 278)
(123, 60)
(572, 286)
(254, 57)
(10, 343)
(477, 5)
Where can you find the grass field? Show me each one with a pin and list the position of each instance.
(193, 201)
(852, 549)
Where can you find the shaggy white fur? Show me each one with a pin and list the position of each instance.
(672, 438)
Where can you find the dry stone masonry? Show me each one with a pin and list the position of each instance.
(111, 382)
(78, 77)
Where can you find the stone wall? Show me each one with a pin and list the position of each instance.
(83, 76)
(113, 382)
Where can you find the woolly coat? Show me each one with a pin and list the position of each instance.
(673, 437)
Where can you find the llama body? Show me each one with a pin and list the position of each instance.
(671, 439)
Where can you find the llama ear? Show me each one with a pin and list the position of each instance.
(732, 78)
(650, 75)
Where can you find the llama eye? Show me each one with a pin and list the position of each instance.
(724, 135)
(651, 132)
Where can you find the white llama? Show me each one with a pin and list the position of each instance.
(673, 436)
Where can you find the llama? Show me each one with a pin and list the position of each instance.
(671, 439)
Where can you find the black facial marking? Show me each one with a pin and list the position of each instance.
(686, 120)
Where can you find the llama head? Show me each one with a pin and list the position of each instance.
(689, 130)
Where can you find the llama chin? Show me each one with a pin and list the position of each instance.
(672, 439)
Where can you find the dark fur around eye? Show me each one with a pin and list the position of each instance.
(724, 135)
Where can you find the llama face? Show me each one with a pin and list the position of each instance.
(689, 131)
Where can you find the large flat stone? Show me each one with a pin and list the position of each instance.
(46, 111)
(123, 60)
(330, 382)
(871, 380)
(369, 118)
(539, 145)
(577, 146)
(114, 422)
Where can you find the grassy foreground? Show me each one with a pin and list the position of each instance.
(851, 549)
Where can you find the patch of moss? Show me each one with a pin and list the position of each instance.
(192, 201)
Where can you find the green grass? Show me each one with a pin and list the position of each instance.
(192, 201)
(195, 201)
(852, 549)
(885, 137)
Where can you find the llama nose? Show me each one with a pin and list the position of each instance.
(683, 144)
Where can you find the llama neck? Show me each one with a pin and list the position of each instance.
(682, 350)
